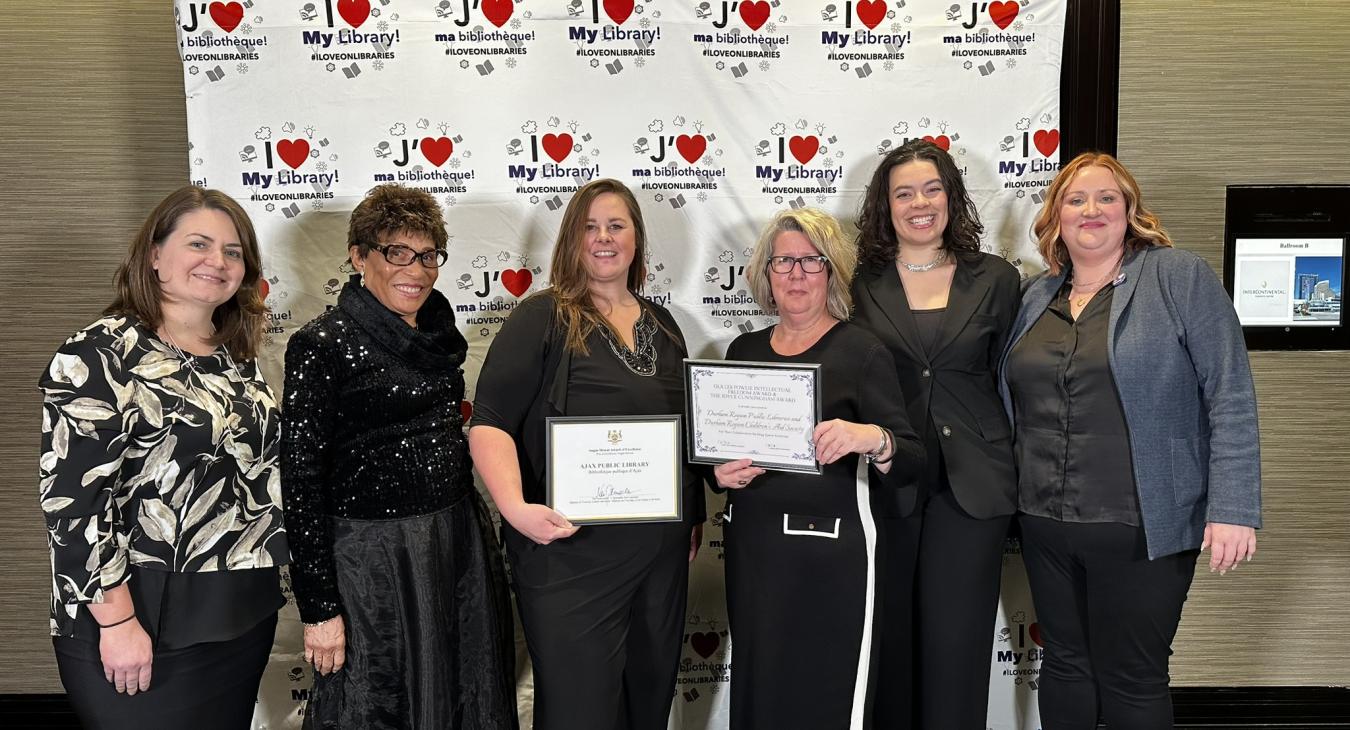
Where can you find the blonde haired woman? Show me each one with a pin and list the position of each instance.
(801, 548)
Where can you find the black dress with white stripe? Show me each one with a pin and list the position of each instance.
(801, 552)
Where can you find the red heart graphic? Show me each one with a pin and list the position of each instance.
(1003, 13)
(436, 149)
(517, 281)
(804, 148)
(465, 410)
(871, 12)
(705, 644)
(618, 10)
(1035, 631)
(497, 11)
(941, 140)
(263, 287)
(354, 12)
(691, 148)
(227, 15)
(754, 13)
(1047, 141)
(558, 146)
(293, 152)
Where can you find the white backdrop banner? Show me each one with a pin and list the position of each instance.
(717, 113)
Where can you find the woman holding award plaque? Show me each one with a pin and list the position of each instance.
(801, 548)
(602, 605)
(943, 308)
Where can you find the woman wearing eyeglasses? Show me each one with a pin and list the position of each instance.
(801, 548)
(396, 574)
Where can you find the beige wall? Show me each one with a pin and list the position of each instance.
(1213, 93)
(91, 102)
(94, 134)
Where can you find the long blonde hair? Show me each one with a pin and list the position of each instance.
(1143, 228)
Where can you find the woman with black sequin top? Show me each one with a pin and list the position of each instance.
(602, 606)
(396, 573)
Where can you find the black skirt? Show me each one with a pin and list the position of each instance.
(429, 632)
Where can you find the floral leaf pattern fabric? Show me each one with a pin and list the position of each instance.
(153, 458)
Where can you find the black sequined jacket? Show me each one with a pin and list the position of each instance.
(371, 429)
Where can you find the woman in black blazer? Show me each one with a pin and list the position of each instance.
(944, 310)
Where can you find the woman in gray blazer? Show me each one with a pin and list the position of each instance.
(1128, 385)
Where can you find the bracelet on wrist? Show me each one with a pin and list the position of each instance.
(116, 623)
(317, 624)
(888, 444)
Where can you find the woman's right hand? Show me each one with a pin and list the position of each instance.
(538, 522)
(326, 645)
(736, 474)
(127, 653)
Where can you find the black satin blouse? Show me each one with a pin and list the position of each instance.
(1071, 441)
(371, 428)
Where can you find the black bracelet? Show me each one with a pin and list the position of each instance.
(116, 623)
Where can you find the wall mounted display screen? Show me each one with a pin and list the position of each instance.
(1288, 281)
(1284, 263)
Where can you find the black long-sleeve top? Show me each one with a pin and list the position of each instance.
(857, 384)
(371, 429)
(1072, 446)
(529, 375)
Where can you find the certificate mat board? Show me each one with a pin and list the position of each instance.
(604, 470)
(763, 411)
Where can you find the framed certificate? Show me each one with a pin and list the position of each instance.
(616, 469)
(762, 411)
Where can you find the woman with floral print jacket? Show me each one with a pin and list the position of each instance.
(159, 483)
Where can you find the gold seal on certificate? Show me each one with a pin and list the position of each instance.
(762, 411)
(616, 469)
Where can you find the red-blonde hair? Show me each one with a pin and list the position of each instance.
(1142, 227)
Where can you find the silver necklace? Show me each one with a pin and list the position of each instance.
(920, 268)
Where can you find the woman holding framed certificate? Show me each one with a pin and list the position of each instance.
(801, 548)
(943, 308)
(602, 605)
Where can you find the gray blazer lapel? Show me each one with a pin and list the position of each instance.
(1132, 269)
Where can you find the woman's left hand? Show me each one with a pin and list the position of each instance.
(695, 541)
(1228, 544)
(837, 438)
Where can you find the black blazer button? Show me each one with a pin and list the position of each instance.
(927, 373)
(946, 430)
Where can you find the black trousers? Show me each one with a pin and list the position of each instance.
(603, 613)
(1107, 616)
(211, 686)
(941, 587)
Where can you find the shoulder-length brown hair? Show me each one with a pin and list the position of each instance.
(1142, 227)
(569, 281)
(877, 243)
(137, 292)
